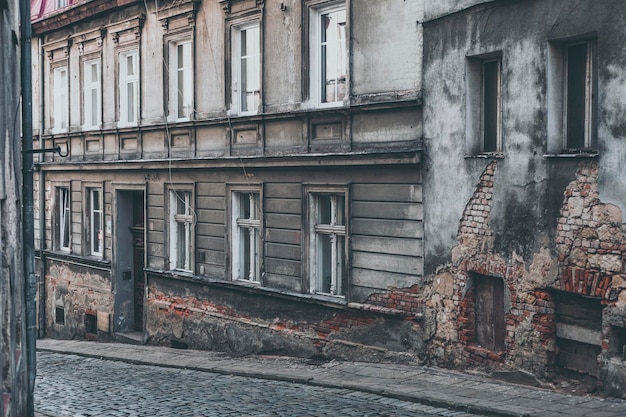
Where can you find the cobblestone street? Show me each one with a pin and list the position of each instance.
(69, 385)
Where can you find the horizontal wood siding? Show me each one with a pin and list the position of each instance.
(283, 222)
(386, 237)
(211, 255)
(155, 226)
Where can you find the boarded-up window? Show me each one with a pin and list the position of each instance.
(578, 332)
(490, 324)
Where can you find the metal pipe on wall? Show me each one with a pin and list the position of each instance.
(28, 229)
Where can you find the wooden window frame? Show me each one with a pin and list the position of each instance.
(338, 286)
(63, 215)
(95, 237)
(589, 90)
(187, 218)
(315, 10)
(173, 44)
(123, 83)
(87, 89)
(255, 223)
(237, 101)
(60, 99)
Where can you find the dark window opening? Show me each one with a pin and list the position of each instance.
(59, 315)
(617, 343)
(491, 106)
(578, 95)
(489, 312)
(91, 323)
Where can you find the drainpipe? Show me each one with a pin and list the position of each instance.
(28, 223)
(42, 203)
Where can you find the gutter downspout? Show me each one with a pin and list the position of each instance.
(42, 202)
(28, 223)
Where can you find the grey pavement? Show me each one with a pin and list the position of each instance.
(433, 387)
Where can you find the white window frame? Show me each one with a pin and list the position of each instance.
(64, 213)
(246, 246)
(128, 83)
(60, 99)
(96, 227)
(176, 71)
(181, 259)
(339, 276)
(240, 105)
(60, 4)
(91, 90)
(316, 54)
(589, 91)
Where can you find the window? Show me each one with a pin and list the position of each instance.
(483, 105)
(91, 94)
(328, 55)
(571, 96)
(181, 80)
(327, 243)
(489, 312)
(246, 68)
(60, 99)
(578, 90)
(246, 236)
(96, 222)
(491, 106)
(64, 218)
(181, 230)
(60, 4)
(129, 87)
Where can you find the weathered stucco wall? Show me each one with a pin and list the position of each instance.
(79, 291)
(542, 224)
(242, 322)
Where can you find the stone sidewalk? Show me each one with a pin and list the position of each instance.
(427, 385)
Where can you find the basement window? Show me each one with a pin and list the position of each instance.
(489, 312)
(91, 323)
(617, 343)
(59, 315)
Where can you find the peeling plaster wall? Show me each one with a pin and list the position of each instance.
(540, 223)
(79, 290)
(241, 323)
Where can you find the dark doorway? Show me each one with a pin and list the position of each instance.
(129, 257)
(137, 230)
(489, 312)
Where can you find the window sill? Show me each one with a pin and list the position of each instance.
(576, 155)
(486, 155)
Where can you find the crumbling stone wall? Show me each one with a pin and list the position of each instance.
(79, 291)
(590, 240)
(255, 323)
(529, 313)
(587, 259)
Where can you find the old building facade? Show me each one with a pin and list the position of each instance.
(240, 175)
(522, 102)
(414, 180)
